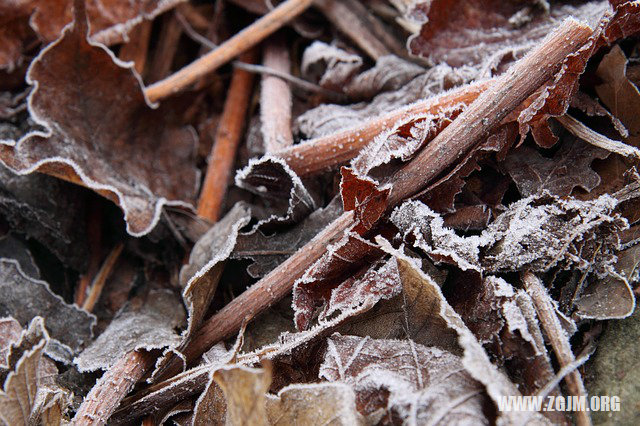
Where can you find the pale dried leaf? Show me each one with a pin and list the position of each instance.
(29, 396)
(245, 394)
(149, 325)
(10, 332)
(314, 403)
(330, 66)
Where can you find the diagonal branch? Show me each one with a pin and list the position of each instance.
(228, 50)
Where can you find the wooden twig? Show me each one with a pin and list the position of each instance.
(117, 382)
(101, 277)
(275, 98)
(319, 154)
(137, 47)
(167, 47)
(557, 337)
(225, 145)
(228, 50)
(94, 236)
(353, 19)
(596, 139)
(295, 81)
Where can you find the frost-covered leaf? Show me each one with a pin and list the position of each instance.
(268, 252)
(488, 32)
(46, 209)
(314, 403)
(389, 73)
(245, 394)
(29, 395)
(619, 94)
(271, 178)
(201, 275)
(148, 324)
(13, 248)
(24, 298)
(101, 132)
(570, 167)
(535, 233)
(414, 383)
(330, 66)
(10, 332)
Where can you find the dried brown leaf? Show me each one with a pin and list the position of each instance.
(619, 94)
(101, 131)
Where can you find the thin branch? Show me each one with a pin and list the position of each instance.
(275, 98)
(101, 277)
(557, 337)
(228, 50)
(225, 145)
(296, 81)
(112, 387)
(166, 49)
(596, 139)
(351, 18)
(193, 34)
(319, 154)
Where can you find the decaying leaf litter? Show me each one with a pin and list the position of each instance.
(345, 212)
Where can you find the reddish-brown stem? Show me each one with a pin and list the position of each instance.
(228, 50)
(225, 145)
(118, 381)
(557, 337)
(101, 278)
(136, 49)
(275, 98)
(166, 49)
(317, 155)
(94, 236)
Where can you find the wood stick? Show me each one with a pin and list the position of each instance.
(137, 47)
(167, 47)
(225, 145)
(101, 278)
(275, 98)
(118, 381)
(557, 337)
(319, 154)
(352, 18)
(228, 50)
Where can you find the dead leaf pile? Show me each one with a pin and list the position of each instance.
(356, 264)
